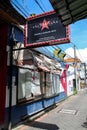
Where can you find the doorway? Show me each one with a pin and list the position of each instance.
(3, 70)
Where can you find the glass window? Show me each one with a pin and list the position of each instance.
(33, 84)
(28, 84)
(52, 84)
(55, 83)
(48, 85)
(43, 82)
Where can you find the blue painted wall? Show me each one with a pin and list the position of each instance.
(18, 112)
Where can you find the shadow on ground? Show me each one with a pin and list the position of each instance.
(85, 124)
(42, 125)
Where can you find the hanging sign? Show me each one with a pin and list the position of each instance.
(44, 30)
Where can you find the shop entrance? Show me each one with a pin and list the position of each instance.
(3, 70)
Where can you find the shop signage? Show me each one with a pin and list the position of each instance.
(44, 30)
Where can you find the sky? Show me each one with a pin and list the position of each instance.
(78, 30)
(78, 36)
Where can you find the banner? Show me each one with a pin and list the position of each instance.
(61, 56)
(56, 52)
(45, 29)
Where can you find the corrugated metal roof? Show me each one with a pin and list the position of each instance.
(70, 11)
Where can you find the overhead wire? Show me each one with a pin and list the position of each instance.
(44, 11)
(78, 52)
(46, 52)
(43, 4)
(66, 45)
(20, 8)
(25, 6)
(23, 9)
(53, 57)
(39, 5)
(25, 13)
(49, 52)
(55, 47)
(72, 46)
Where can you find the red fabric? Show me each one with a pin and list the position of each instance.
(63, 79)
(3, 69)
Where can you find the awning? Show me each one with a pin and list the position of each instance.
(43, 68)
(70, 11)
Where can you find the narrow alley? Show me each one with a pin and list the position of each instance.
(70, 114)
(43, 65)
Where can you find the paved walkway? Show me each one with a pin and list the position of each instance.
(70, 114)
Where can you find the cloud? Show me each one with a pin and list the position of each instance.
(80, 53)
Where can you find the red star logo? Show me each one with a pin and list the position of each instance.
(44, 24)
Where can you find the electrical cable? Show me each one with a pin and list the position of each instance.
(39, 6)
(43, 11)
(55, 47)
(42, 4)
(20, 8)
(78, 52)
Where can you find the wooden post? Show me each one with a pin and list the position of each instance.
(10, 86)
